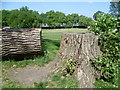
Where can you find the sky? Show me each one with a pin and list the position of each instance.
(81, 8)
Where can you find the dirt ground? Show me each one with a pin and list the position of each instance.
(30, 74)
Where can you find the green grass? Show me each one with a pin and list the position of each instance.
(103, 84)
(58, 81)
(55, 34)
(10, 84)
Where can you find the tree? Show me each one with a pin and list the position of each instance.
(115, 7)
(72, 19)
(24, 8)
(12, 20)
(21, 18)
(5, 16)
(115, 10)
(59, 18)
(95, 16)
(85, 21)
(0, 18)
(53, 18)
(25, 18)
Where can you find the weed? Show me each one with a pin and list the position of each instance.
(69, 67)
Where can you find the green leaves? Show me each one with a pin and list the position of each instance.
(96, 15)
(69, 67)
(23, 18)
(106, 27)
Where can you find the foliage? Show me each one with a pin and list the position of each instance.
(22, 18)
(115, 7)
(25, 18)
(105, 24)
(69, 67)
(104, 84)
(59, 19)
(108, 64)
(96, 15)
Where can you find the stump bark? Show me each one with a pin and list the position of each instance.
(82, 48)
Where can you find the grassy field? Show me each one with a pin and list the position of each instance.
(55, 34)
(50, 44)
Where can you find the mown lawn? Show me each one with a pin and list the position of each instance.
(55, 34)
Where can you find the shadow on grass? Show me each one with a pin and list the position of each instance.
(50, 44)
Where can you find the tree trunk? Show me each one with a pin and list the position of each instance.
(81, 48)
(19, 44)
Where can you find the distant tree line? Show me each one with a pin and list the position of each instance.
(25, 18)
(22, 18)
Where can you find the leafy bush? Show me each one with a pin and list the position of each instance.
(106, 26)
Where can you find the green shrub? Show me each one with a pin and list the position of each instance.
(108, 64)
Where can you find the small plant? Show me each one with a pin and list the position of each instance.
(69, 67)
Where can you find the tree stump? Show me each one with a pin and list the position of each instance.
(81, 48)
